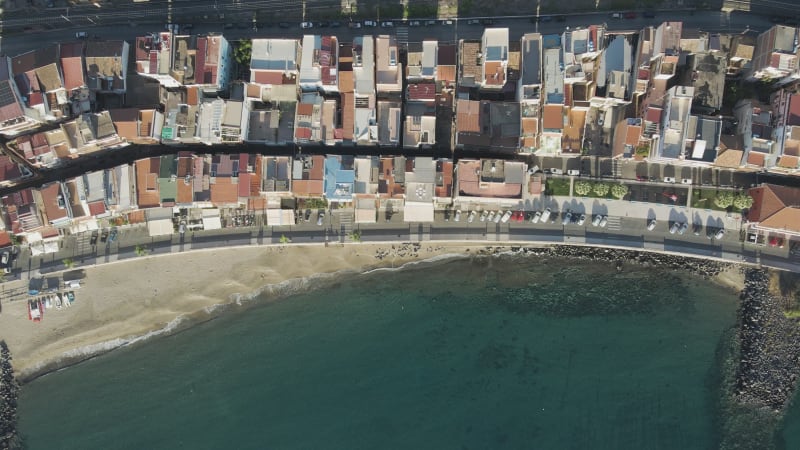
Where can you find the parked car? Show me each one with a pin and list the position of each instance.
(604, 222)
(93, 240)
(429, 23)
(490, 217)
(471, 217)
(473, 22)
(669, 179)
(355, 25)
(415, 23)
(320, 217)
(498, 217)
(720, 234)
(182, 227)
(457, 217)
(506, 217)
(81, 35)
(557, 171)
(387, 24)
(104, 235)
(697, 228)
(487, 22)
(305, 25)
(447, 214)
(484, 215)
(573, 172)
(307, 216)
(616, 15)
(682, 229)
(546, 215)
(447, 22)
(674, 228)
(113, 236)
(370, 23)
(567, 218)
(581, 219)
(536, 217)
(651, 224)
(5, 258)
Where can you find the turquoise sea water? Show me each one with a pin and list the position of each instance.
(490, 352)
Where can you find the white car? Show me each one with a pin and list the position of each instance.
(567, 218)
(596, 220)
(498, 217)
(484, 215)
(305, 25)
(471, 217)
(603, 221)
(720, 234)
(490, 217)
(582, 219)
(81, 35)
(546, 215)
(4, 259)
(686, 181)
(457, 217)
(536, 216)
(651, 224)
(682, 229)
(573, 172)
(387, 24)
(506, 216)
(674, 228)
(669, 180)
(370, 23)
(557, 171)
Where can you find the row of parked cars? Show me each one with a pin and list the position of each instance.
(681, 228)
(371, 23)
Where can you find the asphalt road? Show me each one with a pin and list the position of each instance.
(131, 23)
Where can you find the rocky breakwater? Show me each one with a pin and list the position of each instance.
(619, 257)
(769, 356)
(8, 402)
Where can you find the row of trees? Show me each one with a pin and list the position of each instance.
(584, 188)
(8, 401)
(726, 199)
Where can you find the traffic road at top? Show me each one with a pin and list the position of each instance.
(128, 23)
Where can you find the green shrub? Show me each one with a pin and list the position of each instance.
(601, 189)
(583, 187)
(743, 201)
(619, 190)
(724, 199)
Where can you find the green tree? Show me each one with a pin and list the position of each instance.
(601, 189)
(355, 236)
(619, 190)
(284, 239)
(69, 263)
(743, 201)
(242, 52)
(141, 250)
(724, 199)
(583, 187)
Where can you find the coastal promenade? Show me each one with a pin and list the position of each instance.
(627, 228)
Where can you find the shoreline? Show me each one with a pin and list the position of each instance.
(114, 309)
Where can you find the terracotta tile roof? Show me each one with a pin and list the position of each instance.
(785, 219)
(788, 162)
(729, 158)
(446, 189)
(769, 199)
(446, 73)
(302, 133)
(307, 187)
(97, 208)
(348, 115)
(185, 190)
(224, 191)
(253, 91)
(553, 117)
(50, 200)
(756, 159)
(192, 96)
(267, 77)
(244, 184)
(653, 115)
(469, 183)
(421, 91)
(136, 217)
(530, 125)
(346, 81)
(573, 130)
(305, 109)
(147, 194)
(632, 135)
(495, 74)
(468, 116)
(126, 121)
(257, 203)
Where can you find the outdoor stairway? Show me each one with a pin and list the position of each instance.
(346, 224)
(402, 35)
(617, 172)
(614, 223)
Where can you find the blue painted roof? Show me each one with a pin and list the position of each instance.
(338, 179)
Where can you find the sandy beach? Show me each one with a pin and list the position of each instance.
(120, 302)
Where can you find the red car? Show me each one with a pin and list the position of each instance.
(630, 15)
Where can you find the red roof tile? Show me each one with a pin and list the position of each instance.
(793, 117)
(97, 208)
(244, 184)
(267, 77)
(422, 91)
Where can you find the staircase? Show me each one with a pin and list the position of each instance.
(346, 224)
(614, 223)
